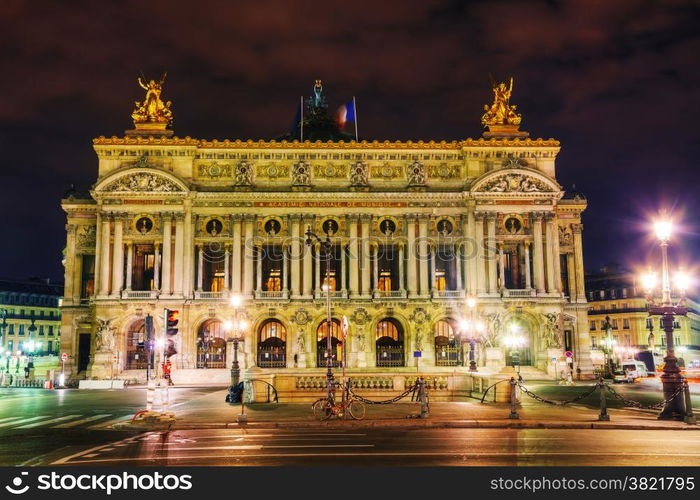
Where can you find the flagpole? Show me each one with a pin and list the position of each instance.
(301, 123)
(354, 108)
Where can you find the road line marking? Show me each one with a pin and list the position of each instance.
(82, 453)
(9, 418)
(24, 420)
(81, 421)
(45, 422)
(91, 455)
(265, 447)
(515, 454)
(109, 423)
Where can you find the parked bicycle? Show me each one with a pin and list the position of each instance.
(325, 408)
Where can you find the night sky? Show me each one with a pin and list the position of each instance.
(616, 81)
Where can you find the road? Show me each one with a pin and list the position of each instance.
(387, 447)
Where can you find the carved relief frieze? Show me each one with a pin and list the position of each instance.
(142, 182)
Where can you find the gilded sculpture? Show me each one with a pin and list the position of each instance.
(501, 112)
(152, 109)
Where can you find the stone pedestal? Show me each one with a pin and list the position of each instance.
(301, 360)
(101, 365)
(495, 359)
(555, 362)
(361, 359)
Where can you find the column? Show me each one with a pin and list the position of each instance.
(179, 254)
(549, 245)
(423, 255)
(353, 256)
(491, 253)
(570, 273)
(578, 262)
(156, 267)
(236, 256)
(458, 267)
(471, 253)
(317, 266)
(227, 281)
(167, 248)
(343, 271)
(285, 272)
(431, 268)
(189, 232)
(104, 258)
(70, 270)
(364, 225)
(258, 270)
(401, 270)
(308, 286)
(200, 266)
(501, 267)
(118, 256)
(537, 257)
(295, 255)
(480, 256)
(248, 256)
(528, 274)
(412, 282)
(375, 278)
(129, 265)
(556, 256)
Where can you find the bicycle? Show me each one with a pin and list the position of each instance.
(325, 408)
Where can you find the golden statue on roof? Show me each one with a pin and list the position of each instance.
(501, 112)
(152, 112)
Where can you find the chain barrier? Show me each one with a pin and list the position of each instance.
(556, 403)
(637, 404)
(410, 390)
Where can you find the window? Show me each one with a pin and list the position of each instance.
(593, 325)
(677, 340)
(613, 307)
(623, 305)
(627, 340)
(21, 329)
(613, 293)
(50, 330)
(614, 324)
(594, 342)
(10, 345)
(41, 330)
(676, 324)
(649, 324)
(626, 324)
(624, 293)
(272, 344)
(87, 278)
(12, 329)
(389, 343)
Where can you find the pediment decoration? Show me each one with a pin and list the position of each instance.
(515, 181)
(143, 182)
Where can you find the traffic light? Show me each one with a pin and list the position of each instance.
(171, 321)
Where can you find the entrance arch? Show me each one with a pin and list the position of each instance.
(136, 355)
(446, 344)
(272, 344)
(336, 344)
(389, 342)
(211, 345)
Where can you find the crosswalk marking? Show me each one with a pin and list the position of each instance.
(109, 423)
(81, 421)
(23, 421)
(45, 422)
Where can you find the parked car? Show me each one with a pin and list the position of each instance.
(623, 376)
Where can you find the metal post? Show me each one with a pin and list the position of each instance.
(513, 400)
(423, 395)
(603, 415)
(671, 377)
(689, 417)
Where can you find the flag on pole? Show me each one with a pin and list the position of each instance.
(347, 113)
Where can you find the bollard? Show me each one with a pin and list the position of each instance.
(513, 400)
(603, 415)
(423, 396)
(689, 417)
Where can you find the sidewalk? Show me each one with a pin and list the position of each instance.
(211, 411)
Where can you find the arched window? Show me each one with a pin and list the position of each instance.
(272, 345)
(389, 343)
(211, 345)
(136, 356)
(336, 344)
(446, 348)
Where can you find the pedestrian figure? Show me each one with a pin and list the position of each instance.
(167, 366)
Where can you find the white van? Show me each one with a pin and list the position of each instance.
(635, 369)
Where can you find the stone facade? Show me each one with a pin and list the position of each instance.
(416, 229)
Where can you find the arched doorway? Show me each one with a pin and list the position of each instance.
(211, 345)
(136, 355)
(336, 344)
(517, 342)
(272, 345)
(389, 343)
(446, 345)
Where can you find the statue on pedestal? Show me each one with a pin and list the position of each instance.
(104, 338)
(152, 109)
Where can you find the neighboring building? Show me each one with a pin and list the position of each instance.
(616, 292)
(32, 316)
(416, 228)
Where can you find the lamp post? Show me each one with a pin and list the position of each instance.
(326, 246)
(3, 326)
(608, 347)
(473, 327)
(667, 309)
(236, 328)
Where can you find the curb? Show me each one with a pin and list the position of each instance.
(403, 424)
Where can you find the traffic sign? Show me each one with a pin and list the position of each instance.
(64, 356)
(345, 324)
(568, 354)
